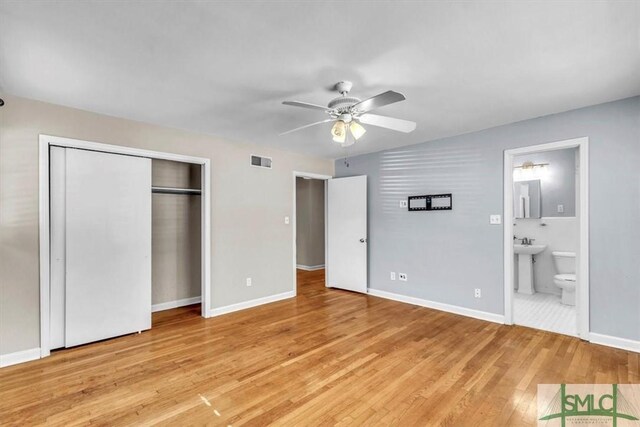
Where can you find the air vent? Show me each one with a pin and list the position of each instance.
(261, 162)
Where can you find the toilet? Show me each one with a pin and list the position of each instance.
(566, 278)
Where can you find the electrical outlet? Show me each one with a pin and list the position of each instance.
(478, 293)
(403, 203)
(249, 281)
(560, 208)
(393, 275)
(495, 219)
(402, 276)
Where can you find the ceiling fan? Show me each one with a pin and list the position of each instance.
(349, 113)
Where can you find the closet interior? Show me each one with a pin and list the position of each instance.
(176, 234)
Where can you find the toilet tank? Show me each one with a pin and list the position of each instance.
(565, 262)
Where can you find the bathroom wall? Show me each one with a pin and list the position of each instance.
(310, 222)
(448, 254)
(557, 180)
(559, 234)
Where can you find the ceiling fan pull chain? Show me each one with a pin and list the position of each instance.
(346, 157)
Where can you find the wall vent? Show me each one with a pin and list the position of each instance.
(261, 162)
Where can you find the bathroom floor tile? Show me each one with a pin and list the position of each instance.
(544, 311)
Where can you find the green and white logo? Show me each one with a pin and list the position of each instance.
(589, 404)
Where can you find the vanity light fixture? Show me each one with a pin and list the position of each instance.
(531, 165)
(529, 170)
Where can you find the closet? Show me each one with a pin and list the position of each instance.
(124, 238)
(176, 229)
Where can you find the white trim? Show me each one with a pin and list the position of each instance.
(45, 141)
(309, 267)
(205, 241)
(251, 303)
(45, 261)
(175, 304)
(582, 292)
(19, 357)
(611, 341)
(297, 174)
(455, 309)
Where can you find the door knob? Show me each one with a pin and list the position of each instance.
(363, 240)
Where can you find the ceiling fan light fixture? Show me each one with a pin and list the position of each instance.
(348, 113)
(356, 130)
(339, 131)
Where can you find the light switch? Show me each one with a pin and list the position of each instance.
(403, 203)
(286, 220)
(495, 219)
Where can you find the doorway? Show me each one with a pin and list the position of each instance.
(309, 225)
(546, 245)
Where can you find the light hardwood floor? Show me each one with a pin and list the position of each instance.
(327, 357)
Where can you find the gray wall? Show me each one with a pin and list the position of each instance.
(248, 235)
(310, 222)
(557, 182)
(448, 254)
(175, 249)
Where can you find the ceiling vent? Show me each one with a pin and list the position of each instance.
(261, 162)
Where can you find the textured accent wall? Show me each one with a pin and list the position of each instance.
(448, 254)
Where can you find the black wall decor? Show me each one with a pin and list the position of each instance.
(431, 202)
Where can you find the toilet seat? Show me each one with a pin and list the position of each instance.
(565, 277)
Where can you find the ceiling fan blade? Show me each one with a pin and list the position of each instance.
(306, 105)
(385, 98)
(307, 126)
(388, 122)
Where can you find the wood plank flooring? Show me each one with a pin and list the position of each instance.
(326, 357)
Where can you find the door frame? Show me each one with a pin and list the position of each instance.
(582, 269)
(310, 175)
(45, 142)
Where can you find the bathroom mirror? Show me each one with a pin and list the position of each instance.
(526, 199)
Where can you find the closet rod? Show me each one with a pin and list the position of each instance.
(171, 190)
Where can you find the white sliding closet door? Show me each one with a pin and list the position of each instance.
(108, 246)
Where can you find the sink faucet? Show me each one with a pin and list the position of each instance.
(526, 241)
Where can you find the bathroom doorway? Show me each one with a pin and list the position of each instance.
(546, 241)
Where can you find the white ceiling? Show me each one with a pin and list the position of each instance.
(223, 68)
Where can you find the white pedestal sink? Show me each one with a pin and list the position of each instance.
(525, 266)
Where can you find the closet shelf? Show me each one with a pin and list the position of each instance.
(171, 190)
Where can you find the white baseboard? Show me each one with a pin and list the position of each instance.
(252, 303)
(610, 341)
(477, 314)
(175, 304)
(19, 357)
(310, 267)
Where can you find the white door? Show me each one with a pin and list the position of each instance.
(347, 233)
(108, 246)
